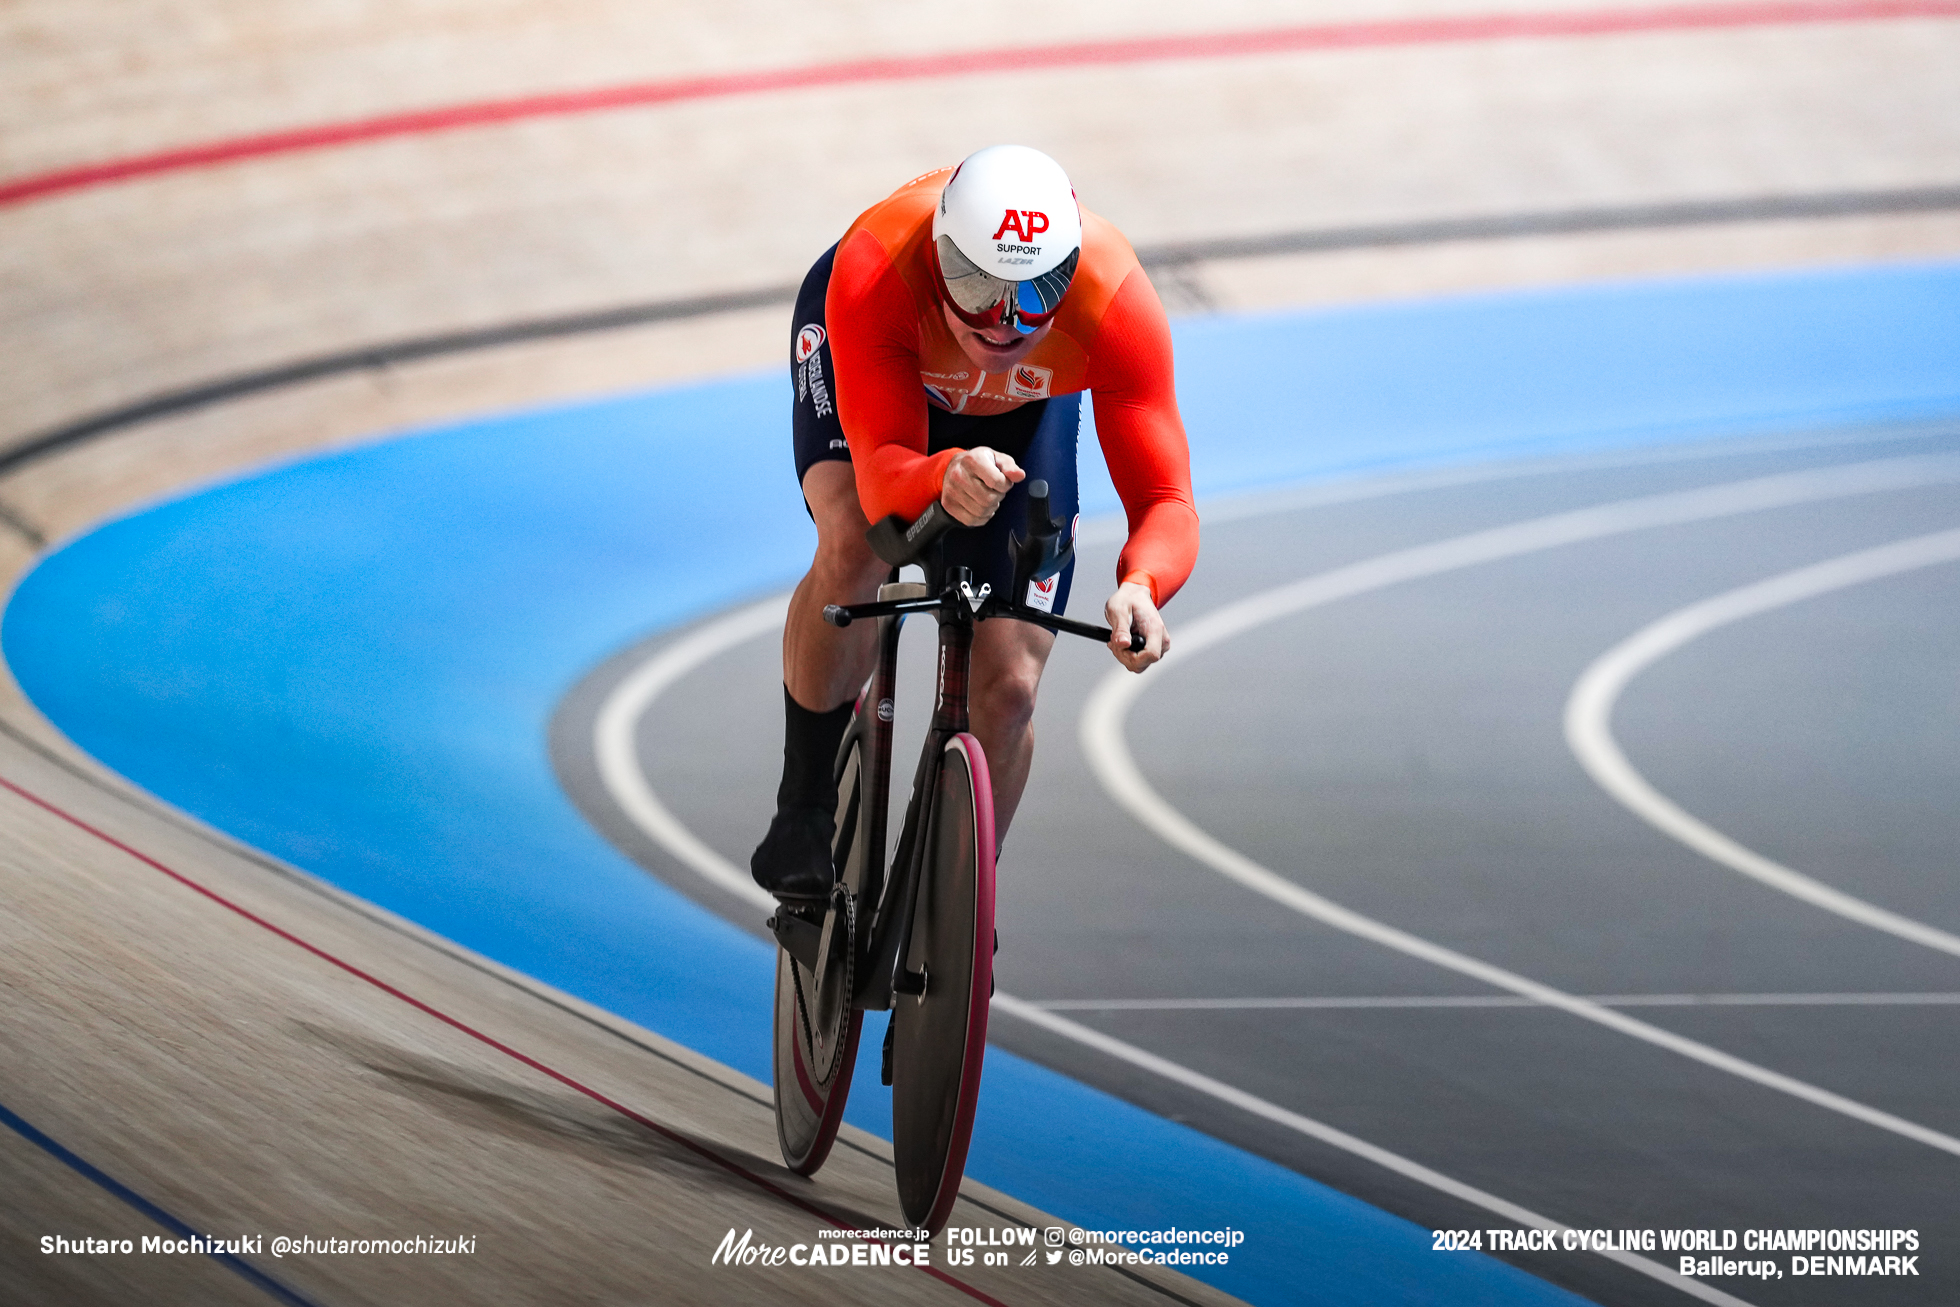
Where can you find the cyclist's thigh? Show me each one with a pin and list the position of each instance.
(830, 495)
(1048, 454)
(1008, 659)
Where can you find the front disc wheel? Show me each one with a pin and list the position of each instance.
(939, 1038)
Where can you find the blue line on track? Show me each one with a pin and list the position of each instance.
(350, 661)
(145, 1206)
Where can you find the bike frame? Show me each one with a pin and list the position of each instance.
(890, 934)
(948, 594)
(870, 942)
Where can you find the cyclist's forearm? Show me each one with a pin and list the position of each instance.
(1162, 549)
(894, 478)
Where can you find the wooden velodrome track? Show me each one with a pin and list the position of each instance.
(248, 1052)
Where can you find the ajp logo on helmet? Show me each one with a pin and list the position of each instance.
(1023, 222)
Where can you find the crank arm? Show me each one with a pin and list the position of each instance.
(801, 939)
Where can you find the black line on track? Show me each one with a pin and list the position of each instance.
(122, 1191)
(376, 357)
(1561, 222)
(19, 525)
(1170, 260)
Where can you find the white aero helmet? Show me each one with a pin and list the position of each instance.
(1007, 235)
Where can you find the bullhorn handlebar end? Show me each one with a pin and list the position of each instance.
(898, 544)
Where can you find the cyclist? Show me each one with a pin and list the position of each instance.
(940, 352)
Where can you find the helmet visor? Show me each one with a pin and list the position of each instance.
(980, 299)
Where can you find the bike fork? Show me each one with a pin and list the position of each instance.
(896, 972)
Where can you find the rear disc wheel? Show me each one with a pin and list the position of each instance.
(816, 1025)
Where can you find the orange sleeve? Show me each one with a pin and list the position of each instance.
(1143, 439)
(874, 345)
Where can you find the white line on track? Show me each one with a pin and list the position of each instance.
(1589, 725)
(1109, 756)
(618, 720)
(1145, 1060)
(1399, 1002)
(619, 769)
(614, 729)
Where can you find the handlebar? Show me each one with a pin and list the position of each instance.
(843, 615)
(1037, 556)
(1054, 623)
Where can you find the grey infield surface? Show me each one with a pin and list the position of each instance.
(1401, 753)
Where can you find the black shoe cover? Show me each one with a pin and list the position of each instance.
(793, 860)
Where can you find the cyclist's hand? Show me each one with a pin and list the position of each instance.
(1131, 608)
(976, 481)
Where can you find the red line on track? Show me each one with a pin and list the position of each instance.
(1080, 54)
(674, 1136)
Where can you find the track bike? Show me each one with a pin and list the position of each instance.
(916, 939)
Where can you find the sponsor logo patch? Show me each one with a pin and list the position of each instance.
(1041, 594)
(807, 341)
(1029, 382)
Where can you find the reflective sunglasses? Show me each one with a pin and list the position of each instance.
(980, 299)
